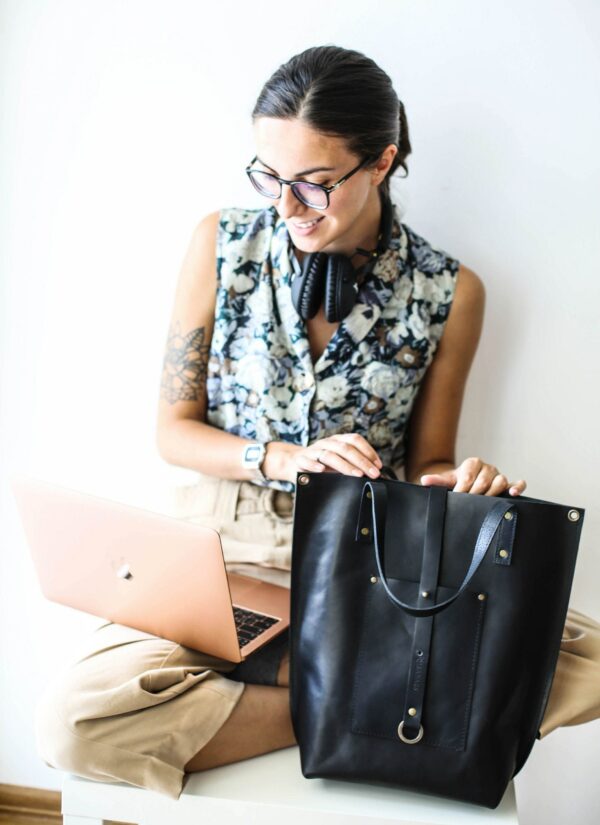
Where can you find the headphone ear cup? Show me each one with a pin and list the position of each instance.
(307, 288)
(340, 291)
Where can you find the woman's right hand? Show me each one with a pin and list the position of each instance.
(347, 453)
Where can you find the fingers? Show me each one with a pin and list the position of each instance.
(498, 485)
(476, 476)
(351, 454)
(362, 446)
(346, 460)
(467, 474)
(347, 453)
(517, 488)
(308, 462)
(446, 479)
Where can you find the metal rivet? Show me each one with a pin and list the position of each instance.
(303, 479)
(508, 516)
(503, 554)
(369, 494)
(482, 597)
(425, 593)
(412, 711)
(364, 531)
(373, 579)
(573, 515)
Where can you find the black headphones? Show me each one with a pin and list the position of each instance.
(332, 277)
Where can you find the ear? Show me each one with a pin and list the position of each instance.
(382, 166)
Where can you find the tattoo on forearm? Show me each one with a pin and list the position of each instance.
(185, 365)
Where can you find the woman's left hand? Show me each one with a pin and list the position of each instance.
(475, 476)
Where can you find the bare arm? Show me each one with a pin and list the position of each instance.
(183, 437)
(433, 423)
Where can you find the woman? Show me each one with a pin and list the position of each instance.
(275, 364)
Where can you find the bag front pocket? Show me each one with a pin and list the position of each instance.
(380, 685)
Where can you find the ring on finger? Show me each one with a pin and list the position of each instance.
(320, 454)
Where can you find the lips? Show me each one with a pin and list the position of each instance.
(305, 231)
(312, 223)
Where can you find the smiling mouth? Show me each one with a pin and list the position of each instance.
(307, 224)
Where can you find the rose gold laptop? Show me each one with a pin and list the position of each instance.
(159, 574)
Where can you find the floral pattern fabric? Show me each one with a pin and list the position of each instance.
(262, 383)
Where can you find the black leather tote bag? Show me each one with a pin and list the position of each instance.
(425, 631)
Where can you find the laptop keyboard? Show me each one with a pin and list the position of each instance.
(250, 624)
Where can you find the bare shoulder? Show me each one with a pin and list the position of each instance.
(185, 363)
(206, 228)
(465, 320)
(200, 259)
(469, 292)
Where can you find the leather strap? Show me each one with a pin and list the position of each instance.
(506, 537)
(421, 643)
(378, 511)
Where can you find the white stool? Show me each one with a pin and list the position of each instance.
(269, 790)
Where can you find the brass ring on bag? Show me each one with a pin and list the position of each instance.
(414, 741)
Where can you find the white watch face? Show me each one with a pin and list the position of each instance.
(253, 455)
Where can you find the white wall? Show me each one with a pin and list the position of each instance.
(123, 123)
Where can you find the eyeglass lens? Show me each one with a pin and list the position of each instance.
(308, 193)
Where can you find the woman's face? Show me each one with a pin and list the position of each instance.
(288, 148)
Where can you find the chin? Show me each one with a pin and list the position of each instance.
(308, 244)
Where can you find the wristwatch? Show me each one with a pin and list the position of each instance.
(253, 457)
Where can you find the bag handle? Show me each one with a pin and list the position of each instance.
(488, 528)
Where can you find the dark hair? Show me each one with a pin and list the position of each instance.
(341, 93)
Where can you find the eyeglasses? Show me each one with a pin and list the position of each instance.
(314, 195)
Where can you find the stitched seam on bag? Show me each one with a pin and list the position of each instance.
(474, 662)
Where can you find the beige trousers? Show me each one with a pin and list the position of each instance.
(136, 708)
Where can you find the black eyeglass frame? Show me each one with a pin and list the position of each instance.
(291, 183)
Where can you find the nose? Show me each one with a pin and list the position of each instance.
(288, 204)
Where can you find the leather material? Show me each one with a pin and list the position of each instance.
(421, 643)
(506, 537)
(332, 280)
(472, 662)
(488, 529)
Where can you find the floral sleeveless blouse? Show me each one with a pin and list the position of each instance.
(262, 383)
